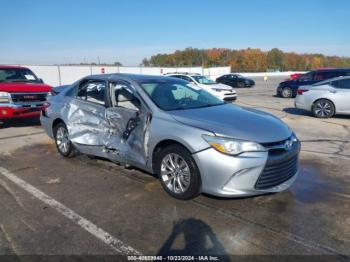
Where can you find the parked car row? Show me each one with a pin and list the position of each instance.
(288, 89)
(324, 92)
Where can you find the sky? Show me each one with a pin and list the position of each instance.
(74, 31)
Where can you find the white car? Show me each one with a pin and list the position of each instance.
(221, 91)
(325, 99)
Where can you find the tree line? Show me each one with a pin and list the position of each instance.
(247, 60)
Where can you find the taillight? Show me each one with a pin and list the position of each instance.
(301, 91)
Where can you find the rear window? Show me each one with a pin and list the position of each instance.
(17, 75)
(342, 84)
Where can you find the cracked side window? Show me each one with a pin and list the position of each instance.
(93, 91)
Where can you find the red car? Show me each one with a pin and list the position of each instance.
(22, 93)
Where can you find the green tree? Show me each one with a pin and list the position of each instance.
(275, 59)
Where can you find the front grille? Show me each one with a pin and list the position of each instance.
(281, 166)
(28, 97)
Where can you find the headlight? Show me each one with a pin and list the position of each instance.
(5, 97)
(232, 146)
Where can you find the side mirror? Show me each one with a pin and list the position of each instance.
(41, 81)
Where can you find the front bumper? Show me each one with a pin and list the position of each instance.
(226, 96)
(228, 176)
(230, 98)
(9, 111)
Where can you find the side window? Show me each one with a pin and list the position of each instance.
(306, 77)
(92, 91)
(326, 75)
(123, 96)
(342, 84)
(319, 76)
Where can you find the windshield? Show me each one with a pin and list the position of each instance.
(17, 75)
(203, 80)
(169, 95)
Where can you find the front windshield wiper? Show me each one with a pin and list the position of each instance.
(206, 105)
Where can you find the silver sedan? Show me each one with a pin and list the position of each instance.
(193, 141)
(325, 99)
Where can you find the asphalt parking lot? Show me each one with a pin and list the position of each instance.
(81, 206)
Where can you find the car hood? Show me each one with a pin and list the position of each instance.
(20, 87)
(237, 122)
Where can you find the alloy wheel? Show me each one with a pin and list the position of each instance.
(175, 173)
(323, 109)
(62, 140)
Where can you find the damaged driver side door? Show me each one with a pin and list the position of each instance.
(128, 119)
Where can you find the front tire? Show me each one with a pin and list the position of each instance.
(287, 92)
(323, 108)
(63, 144)
(178, 172)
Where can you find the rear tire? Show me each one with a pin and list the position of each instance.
(323, 108)
(63, 144)
(287, 92)
(178, 172)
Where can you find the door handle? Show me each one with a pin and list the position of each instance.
(333, 91)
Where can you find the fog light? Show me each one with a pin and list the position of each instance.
(3, 112)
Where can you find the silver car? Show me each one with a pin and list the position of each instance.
(192, 140)
(325, 99)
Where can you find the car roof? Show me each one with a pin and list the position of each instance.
(12, 67)
(332, 70)
(133, 77)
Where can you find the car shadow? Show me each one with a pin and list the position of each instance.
(297, 111)
(25, 122)
(301, 112)
(198, 237)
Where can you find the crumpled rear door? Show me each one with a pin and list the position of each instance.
(85, 114)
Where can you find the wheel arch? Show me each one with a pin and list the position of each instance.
(162, 144)
(56, 122)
